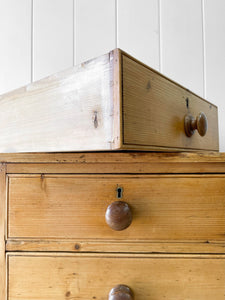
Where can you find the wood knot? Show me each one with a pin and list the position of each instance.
(77, 246)
(148, 85)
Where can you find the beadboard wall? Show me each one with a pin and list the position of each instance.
(183, 39)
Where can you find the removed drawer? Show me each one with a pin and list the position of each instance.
(66, 276)
(166, 207)
(109, 103)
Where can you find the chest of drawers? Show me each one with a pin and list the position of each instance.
(58, 211)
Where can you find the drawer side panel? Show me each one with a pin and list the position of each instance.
(68, 111)
(154, 108)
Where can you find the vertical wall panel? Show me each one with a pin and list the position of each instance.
(52, 36)
(214, 12)
(94, 28)
(138, 29)
(182, 42)
(15, 44)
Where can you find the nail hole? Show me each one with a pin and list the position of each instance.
(95, 119)
(77, 246)
(187, 102)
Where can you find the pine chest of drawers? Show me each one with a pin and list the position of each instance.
(112, 226)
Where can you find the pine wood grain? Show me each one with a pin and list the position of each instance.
(97, 168)
(115, 162)
(154, 110)
(66, 276)
(107, 246)
(172, 207)
(70, 110)
(62, 216)
(116, 57)
(115, 157)
(112, 102)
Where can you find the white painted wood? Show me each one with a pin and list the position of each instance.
(182, 42)
(138, 29)
(15, 44)
(52, 36)
(94, 28)
(214, 17)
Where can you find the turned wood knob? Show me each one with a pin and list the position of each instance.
(118, 215)
(191, 124)
(121, 292)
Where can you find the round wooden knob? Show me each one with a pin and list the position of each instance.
(118, 215)
(121, 292)
(191, 124)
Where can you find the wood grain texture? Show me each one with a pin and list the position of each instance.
(2, 232)
(69, 110)
(116, 168)
(205, 157)
(15, 50)
(107, 103)
(107, 246)
(163, 207)
(65, 276)
(55, 217)
(52, 37)
(113, 162)
(116, 58)
(154, 110)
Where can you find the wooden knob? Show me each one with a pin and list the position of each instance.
(118, 215)
(121, 292)
(191, 124)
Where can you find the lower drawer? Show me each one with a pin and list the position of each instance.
(92, 276)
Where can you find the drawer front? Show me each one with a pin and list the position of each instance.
(92, 277)
(73, 206)
(154, 109)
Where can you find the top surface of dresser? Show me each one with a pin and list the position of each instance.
(113, 102)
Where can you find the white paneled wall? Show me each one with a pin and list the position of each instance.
(138, 29)
(184, 39)
(94, 28)
(52, 36)
(214, 37)
(15, 44)
(182, 42)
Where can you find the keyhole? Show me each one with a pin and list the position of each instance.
(119, 192)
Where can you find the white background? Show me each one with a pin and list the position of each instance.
(183, 39)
